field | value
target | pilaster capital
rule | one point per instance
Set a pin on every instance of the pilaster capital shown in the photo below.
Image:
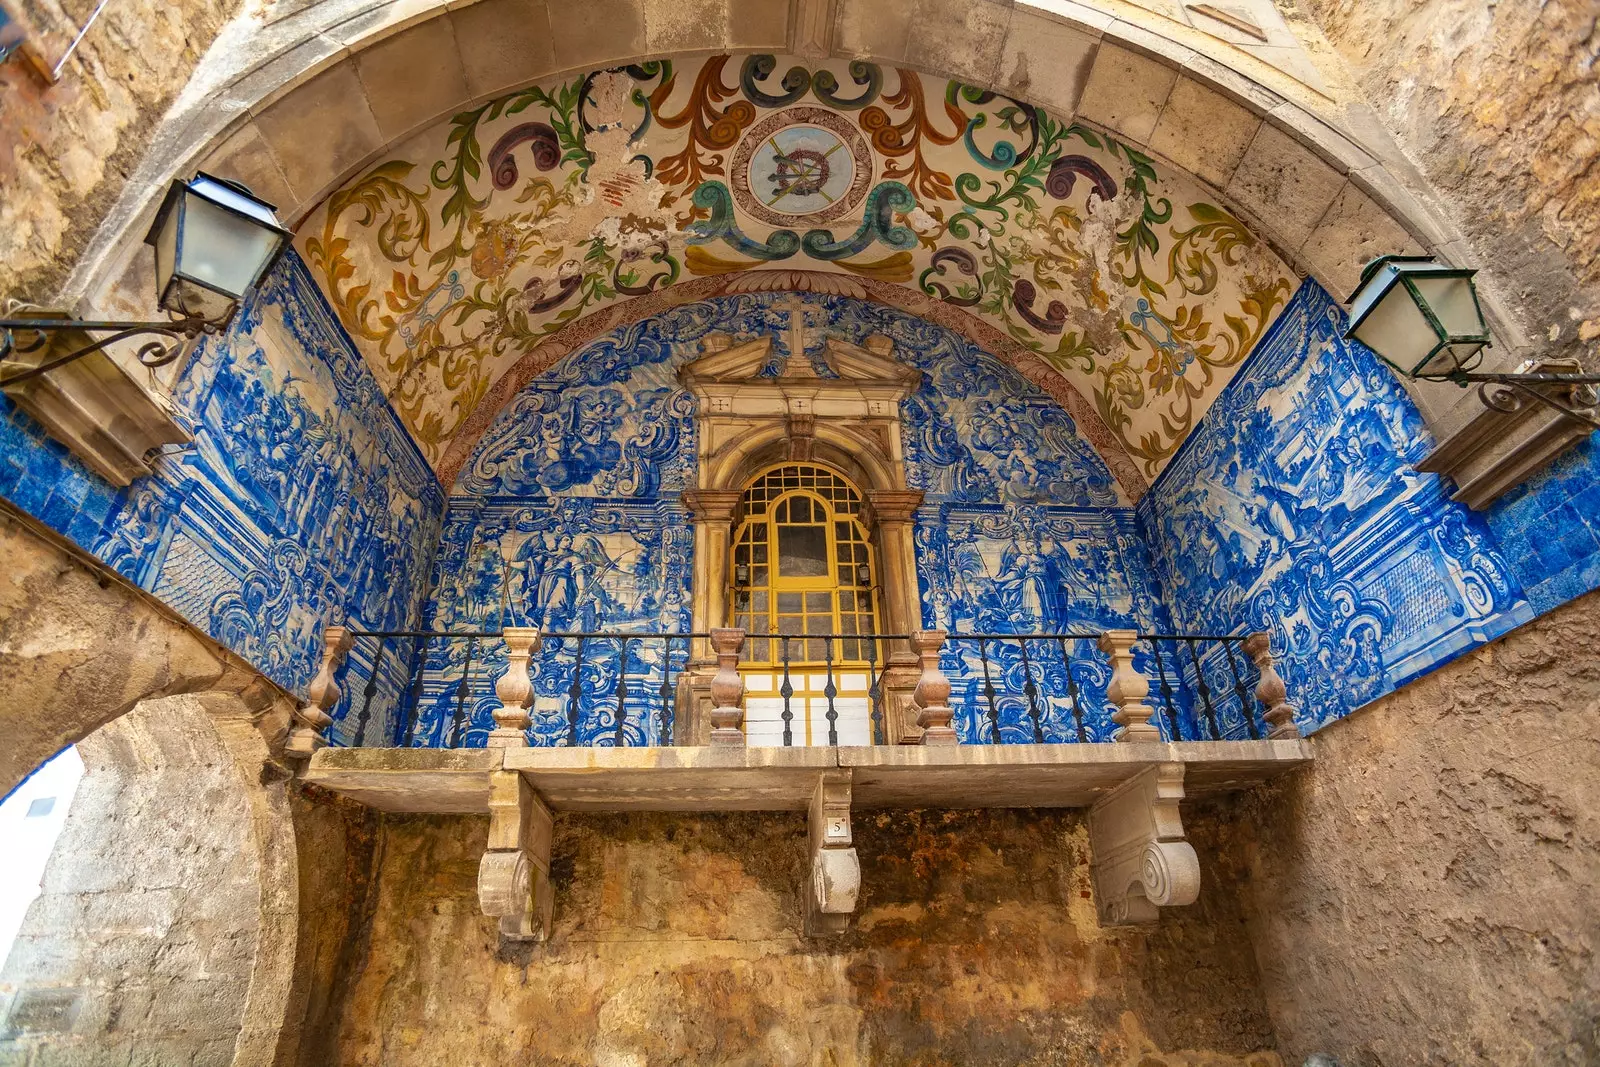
(893, 505)
(712, 505)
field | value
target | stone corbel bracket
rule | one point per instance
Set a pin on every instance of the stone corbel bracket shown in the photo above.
(514, 874)
(1141, 862)
(834, 882)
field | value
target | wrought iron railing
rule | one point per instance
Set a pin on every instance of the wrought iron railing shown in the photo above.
(439, 689)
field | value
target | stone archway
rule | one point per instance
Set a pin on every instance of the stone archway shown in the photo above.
(167, 925)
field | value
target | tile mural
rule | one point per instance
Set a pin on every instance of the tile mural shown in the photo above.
(568, 515)
(301, 499)
(1295, 507)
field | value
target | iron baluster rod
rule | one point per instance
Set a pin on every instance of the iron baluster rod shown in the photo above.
(622, 691)
(988, 692)
(367, 694)
(666, 691)
(1205, 690)
(1072, 690)
(830, 691)
(461, 695)
(1239, 689)
(1032, 693)
(875, 692)
(575, 694)
(421, 659)
(786, 691)
(1166, 691)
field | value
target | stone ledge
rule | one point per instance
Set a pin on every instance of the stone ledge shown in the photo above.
(445, 781)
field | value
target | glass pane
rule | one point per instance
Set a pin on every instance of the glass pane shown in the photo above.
(819, 624)
(760, 555)
(758, 602)
(758, 576)
(847, 601)
(789, 603)
(842, 531)
(847, 624)
(800, 509)
(820, 603)
(789, 624)
(802, 551)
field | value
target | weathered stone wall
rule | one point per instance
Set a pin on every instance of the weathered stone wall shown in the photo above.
(1499, 105)
(142, 945)
(65, 149)
(677, 942)
(1426, 893)
(79, 646)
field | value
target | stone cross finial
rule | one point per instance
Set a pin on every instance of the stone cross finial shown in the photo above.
(312, 718)
(932, 695)
(1128, 688)
(727, 687)
(1270, 690)
(511, 718)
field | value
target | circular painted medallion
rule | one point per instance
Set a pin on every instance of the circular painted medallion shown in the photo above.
(803, 164)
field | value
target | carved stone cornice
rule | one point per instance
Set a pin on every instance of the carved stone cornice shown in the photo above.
(712, 505)
(892, 505)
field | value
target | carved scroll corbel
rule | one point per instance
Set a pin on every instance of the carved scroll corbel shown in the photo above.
(312, 718)
(834, 883)
(514, 875)
(1141, 862)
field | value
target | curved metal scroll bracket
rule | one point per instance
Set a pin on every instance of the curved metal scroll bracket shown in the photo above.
(36, 333)
(1141, 862)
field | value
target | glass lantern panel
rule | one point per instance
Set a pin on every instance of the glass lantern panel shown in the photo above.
(221, 249)
(1397, 330)
(1453, 304)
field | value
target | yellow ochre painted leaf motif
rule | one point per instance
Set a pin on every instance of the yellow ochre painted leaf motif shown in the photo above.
(499, 228)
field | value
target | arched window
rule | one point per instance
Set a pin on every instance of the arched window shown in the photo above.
(803, 565)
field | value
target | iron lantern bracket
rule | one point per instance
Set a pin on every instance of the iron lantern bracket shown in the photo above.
(178, 334)
(1576, 396)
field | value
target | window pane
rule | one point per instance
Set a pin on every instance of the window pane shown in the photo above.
(820, 603)
(802, 551)
(789, 603)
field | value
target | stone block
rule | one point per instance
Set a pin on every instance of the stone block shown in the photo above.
(597, 32)
(504, 44)
(685, 25)
(1126, 92)
(1285, 185)
(376, 23)
(1354, 230)
(1070, 13)
(413, 76)
(1203, 131)
(872, 28)
(761, 24)
(962, 38)
(1047, 61)
(321, 130)
(246, 157)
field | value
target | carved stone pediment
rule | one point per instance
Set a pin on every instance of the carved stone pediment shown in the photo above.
(853, 381)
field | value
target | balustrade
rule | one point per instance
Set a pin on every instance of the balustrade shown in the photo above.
(513, 687)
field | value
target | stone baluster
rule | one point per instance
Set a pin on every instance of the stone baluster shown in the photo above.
(932, 695)
(727, 687)
(1271, 691)
(312, 718)
(1128, 688)
(511, 718)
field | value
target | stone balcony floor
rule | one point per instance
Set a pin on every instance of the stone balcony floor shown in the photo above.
(444, 781)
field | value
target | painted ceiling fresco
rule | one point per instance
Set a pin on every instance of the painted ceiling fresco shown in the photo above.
(486, 248)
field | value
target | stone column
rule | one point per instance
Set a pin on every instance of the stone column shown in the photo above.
(1271, 691)
(727, 688)
(312, 718)
(1128, 688)
(932, 696)
(712, 511)
(511, 718)
(891, 512)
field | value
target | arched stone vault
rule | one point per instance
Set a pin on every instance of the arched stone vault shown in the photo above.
(354, 81)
